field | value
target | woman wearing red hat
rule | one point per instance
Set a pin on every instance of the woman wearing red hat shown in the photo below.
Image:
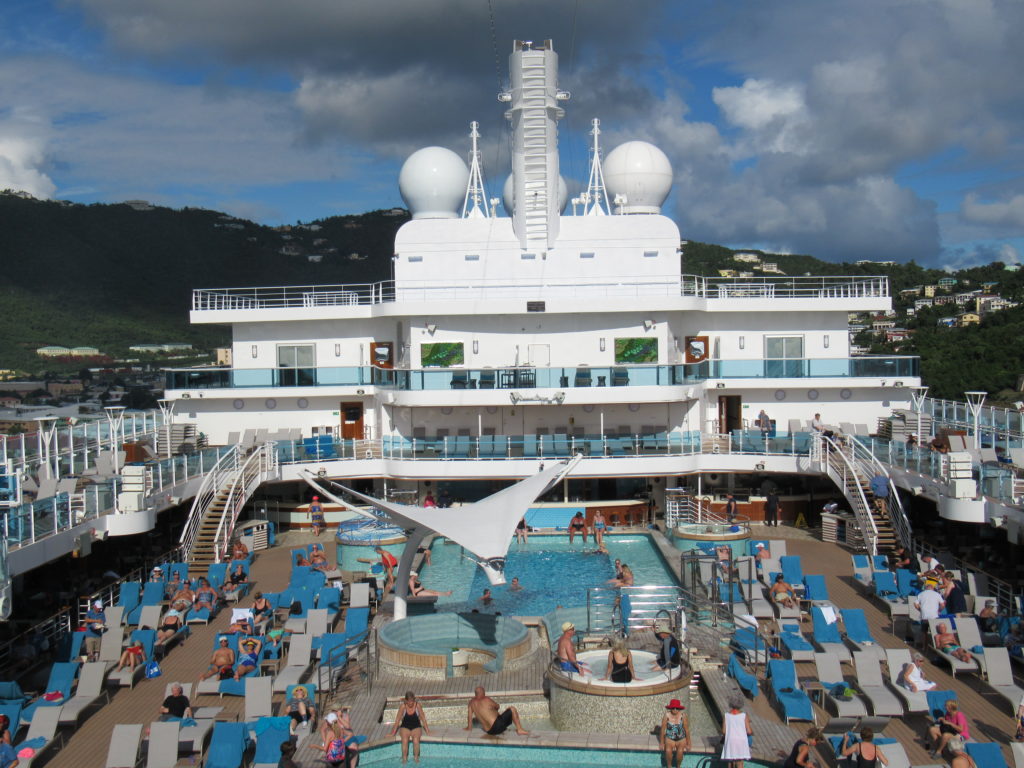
(674, 734)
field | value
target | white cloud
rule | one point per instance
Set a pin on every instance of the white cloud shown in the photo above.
(1008, 213)
(22, 155)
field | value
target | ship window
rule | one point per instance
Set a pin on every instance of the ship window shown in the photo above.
(528, 256)
(296, 365)
(783, 356)
(472, 257)
(650, 254)
(415, 258)
(587, 255)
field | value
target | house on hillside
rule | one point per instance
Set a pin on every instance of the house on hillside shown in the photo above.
(84, 352)
(965, 319)
(53, 350)
(947, 322)
(947, 283)
(922, 303)
(746, 258)
(929, 290)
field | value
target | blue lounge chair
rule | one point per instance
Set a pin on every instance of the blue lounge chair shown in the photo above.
(62, 678)
(750, 645)
(228, 746)
(937, 702)
(986, 754)
(907, 583)
(129, 676)
(271, 733)
(816, 590)
(859, 635)
(74, 647)
(13, 711)
(356, 622)
(216, 574)
(744, 679)
(792, 570)
(797, 646)
(129, 595)
(325, 447)
(179, 569)
(827, 637)
(885, 585)
(152, 594)
(786, 690)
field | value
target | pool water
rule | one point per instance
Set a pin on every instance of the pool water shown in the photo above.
(552, 573)
(473, 756)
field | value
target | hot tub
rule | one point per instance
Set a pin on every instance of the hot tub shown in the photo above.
(442, 645)
(357, 538)
(707, 536)
(586, 703)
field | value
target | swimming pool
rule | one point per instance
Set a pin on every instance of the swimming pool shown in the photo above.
(485, 756)
(552, 573)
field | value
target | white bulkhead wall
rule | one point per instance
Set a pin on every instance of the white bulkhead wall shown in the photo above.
(824, 334)
(337, 342)
(444, 252)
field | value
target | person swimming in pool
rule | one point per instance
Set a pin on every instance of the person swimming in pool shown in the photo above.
(515, 586)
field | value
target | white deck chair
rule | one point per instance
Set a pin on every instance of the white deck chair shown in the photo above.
(359, 595)
(44, 725)
(1017, 747)
(232, 438)
(258, 694)
(869, 682)
(112, 641)
(162, 751)
(759, 606)
(124, 746)
(150, 616)
(300, 649)
(914, 701)
(192, 737)
(955, 664)
(1000, 676)
(87, 693)
(969, 635)
(829, 671)
(316, 622)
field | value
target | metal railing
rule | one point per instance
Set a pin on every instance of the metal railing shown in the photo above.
(842, 470)
(257, 467)
(110, 594)
(823, 287)
(869, 463)
(40, 643)
(998, 589)
(218, 475)
(604, 607)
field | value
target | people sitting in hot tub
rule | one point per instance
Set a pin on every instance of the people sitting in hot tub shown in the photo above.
(578, 524)
(624, 578)
(669, 656)
(620, 663)
(567, 660)
(418, 590)
(782, 593)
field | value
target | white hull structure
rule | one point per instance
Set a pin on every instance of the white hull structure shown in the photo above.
(503, 340)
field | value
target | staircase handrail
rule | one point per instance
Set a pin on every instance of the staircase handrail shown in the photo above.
(863, 515)
(897, 515)
(253, 472)
(212, 481)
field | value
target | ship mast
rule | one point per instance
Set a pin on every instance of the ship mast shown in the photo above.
(595, 199)
(476, 195)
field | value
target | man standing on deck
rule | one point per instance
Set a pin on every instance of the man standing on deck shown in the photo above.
(388, 562)
(485, 709)
(730, 507)
(771, 509)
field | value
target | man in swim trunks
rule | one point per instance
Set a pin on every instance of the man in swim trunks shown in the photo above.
(222, 657)
(567, 650)
(485, 709)
(946, 642)
(578, 524)
(250, 658)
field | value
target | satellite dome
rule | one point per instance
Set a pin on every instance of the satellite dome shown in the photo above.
(642, 173)
(433, 183)
(506, 194)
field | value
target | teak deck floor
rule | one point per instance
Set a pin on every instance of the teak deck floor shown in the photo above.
(990, 718)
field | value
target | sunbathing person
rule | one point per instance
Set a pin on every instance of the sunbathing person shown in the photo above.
(485, 710)
(912, 678)
(418, 590)
(184, 595)
(223, 658)
(171, 623)
(133, 655)
(782, 593)
(249, 660)
(318, 561)
(206, 596)
(239, 551)
(946, 642)
(236, 582)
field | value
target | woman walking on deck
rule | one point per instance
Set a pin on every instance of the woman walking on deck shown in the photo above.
(736, 732)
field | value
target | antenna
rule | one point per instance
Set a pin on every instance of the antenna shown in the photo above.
(476, 195)
(595, 200)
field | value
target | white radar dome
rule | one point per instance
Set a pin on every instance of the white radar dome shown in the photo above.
(507, 192)
(641, 173)
(433, 183)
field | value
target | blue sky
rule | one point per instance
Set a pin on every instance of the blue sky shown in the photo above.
(877, 129)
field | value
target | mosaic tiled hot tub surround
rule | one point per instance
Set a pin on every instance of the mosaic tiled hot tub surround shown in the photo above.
(587, 704)
(442, 645)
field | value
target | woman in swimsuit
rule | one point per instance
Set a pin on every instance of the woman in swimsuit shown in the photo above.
(418, 590)
(620, 663)
(410, 724)
(521, 533)
(868, 755)
(578, 525)
(599, 526)
(133, 655)
(171, 624)
(801, 755)
(674, 734)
